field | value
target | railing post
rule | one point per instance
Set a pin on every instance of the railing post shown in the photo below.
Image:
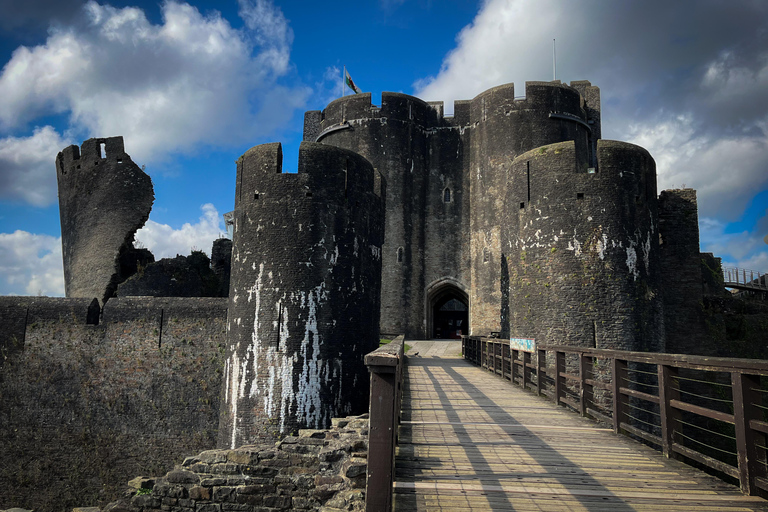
(586, 391)
(503, 359)
(618, 375)
(744, 410)
(669, 415)
(513, 358)
(559, 379)
(526, 369)
(384, 366)
(541, 370)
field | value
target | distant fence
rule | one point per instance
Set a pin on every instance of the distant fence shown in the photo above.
(386, 368)
(708, 410)
(744, 279)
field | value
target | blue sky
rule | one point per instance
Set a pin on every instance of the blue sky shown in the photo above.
(191, 86)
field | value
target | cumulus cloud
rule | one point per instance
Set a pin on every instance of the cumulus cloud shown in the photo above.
(743, 249)
(688, 80)
(30, 264)
(166, 242)
(662, 72)
(27, 169)
(168, 87)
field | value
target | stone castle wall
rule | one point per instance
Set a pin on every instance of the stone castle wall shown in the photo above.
(84, 405)
(422, 156)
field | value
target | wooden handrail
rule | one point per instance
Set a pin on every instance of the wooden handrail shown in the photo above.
(385, 365)
(573, 375)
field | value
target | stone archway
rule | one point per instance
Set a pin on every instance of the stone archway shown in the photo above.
(447, 309)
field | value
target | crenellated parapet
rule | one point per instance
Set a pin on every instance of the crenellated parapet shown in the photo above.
(104, 198)
(305, 291)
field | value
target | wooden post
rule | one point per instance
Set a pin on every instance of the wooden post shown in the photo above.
(384, 368)
(618, 376)
(559, 379)
(586, 392)
(744, 410)
(526, 369)
(503, 359)
(514, 358)
(541, 370)
(668, 391)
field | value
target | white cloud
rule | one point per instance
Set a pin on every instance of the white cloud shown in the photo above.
(30, 264)
(726, 171)
(27, 166)
(688, 80)
(166, 242)
(166, 87)
(743, 249)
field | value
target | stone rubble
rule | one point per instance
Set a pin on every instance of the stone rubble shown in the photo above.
(317, 470)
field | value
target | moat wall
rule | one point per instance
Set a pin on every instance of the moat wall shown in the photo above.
(84, 406)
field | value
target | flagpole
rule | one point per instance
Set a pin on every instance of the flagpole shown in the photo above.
(343, 76)
(554, 61)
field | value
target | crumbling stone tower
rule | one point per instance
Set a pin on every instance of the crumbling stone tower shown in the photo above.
(104, 198)
(305, 291)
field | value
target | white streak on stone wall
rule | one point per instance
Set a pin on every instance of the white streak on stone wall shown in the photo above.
(632, 260)
(308, 402)
(647, 253)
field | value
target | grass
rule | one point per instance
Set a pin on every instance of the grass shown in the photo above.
(384, 341)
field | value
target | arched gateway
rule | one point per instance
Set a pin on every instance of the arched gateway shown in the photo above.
(447, 309)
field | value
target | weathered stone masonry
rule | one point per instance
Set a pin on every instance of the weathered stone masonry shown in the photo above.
(304, 296)
(84, 405)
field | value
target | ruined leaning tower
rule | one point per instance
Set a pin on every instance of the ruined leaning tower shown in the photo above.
(305, 292)
(104, 198)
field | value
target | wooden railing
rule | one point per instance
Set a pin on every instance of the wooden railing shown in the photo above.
(744, 279)
(706, 411)
(386, 368)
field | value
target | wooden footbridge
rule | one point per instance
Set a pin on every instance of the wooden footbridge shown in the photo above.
(469, 438)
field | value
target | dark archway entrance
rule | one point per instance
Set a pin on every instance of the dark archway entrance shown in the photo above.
(447, 310)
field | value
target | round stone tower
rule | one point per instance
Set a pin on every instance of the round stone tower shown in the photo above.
(580, 248)
(504, 127)
(305, 292)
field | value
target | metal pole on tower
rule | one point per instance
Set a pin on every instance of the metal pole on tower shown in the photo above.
(343, 76)
(554, 60)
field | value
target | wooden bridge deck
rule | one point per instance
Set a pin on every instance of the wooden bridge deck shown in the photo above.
(472, 441)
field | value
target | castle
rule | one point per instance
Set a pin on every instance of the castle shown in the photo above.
(514, 218)
(511, 218)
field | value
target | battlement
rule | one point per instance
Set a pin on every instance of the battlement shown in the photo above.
(394, 106)
(90, 153)
(546, 97)
(325, 174)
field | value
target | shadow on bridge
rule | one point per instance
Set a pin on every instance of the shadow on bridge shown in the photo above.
(463, 411)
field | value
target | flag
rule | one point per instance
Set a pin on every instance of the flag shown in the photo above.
(350, 83)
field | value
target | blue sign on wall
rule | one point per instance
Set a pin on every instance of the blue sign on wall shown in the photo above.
(523, 344)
